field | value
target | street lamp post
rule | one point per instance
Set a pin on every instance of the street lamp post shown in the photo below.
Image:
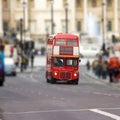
(52, 19)
(103, 27)
(21, 33)
(24, 16)
(47, 32)
(66, 17)
(21, 40)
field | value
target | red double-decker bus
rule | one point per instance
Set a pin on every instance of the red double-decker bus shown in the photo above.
(62, 58)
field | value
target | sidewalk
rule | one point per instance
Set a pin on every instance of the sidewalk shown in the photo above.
(38, 61)
(105, 81)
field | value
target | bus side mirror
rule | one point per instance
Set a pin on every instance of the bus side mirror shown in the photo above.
(80, 60)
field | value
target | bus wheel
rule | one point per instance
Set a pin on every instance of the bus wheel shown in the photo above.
(53, 80)
(47, 80)
(76, 82)
(1, 83)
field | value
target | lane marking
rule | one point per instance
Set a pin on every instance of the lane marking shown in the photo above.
(30, 78)
(63, 110)
(106, 94)
(45, 111)
(116, 117)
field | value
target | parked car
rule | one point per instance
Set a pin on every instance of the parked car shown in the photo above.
(10, 68)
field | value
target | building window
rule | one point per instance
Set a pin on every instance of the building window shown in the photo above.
(78, 3)
(18, 3)
(64, 2)
(118, 4)
(109, 26)
(79, 26)
(5, 3)
(18, 26)
(33, 26)
(5, 26)
(31, 3)
(48, 3)
(109, 3)
(94, 3)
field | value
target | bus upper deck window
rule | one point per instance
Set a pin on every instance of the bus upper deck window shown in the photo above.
(72, 42)
(60, 42)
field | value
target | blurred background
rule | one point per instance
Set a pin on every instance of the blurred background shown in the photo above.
(27, 23)
(24, 28)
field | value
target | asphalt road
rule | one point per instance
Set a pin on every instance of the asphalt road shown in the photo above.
(28, 97)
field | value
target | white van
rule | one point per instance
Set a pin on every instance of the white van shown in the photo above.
(10, 68)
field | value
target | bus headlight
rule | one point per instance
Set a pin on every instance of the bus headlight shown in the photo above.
(55, 73)
(75, 74)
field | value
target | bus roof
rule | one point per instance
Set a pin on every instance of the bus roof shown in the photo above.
(64, 35)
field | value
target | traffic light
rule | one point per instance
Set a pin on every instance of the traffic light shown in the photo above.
(31, 44)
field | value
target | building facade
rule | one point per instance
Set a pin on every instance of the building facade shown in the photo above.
(92, 17)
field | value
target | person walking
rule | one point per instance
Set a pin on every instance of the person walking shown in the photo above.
(99, 69)
(104, 69)
(11, 51)
(32, 60)
(88, 65)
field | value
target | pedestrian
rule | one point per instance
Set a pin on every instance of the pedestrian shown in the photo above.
(99, 69)
(113, 69)
(25, 61)
(88, 65)
(94, 65)
(11, 51)
(32, 60)
(17, 62)
(110, 73)
(22, 63)
(116, 73)
(104, 69)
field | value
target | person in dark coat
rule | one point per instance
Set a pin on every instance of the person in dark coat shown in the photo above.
(32, 60)
(88, 65)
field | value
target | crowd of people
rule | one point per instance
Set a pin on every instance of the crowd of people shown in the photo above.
(106, 68)
(102, 69)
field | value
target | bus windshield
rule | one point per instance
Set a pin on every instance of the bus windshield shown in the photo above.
(71, 62)
(60, 62)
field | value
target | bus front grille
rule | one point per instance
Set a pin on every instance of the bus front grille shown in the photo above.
(65, 75)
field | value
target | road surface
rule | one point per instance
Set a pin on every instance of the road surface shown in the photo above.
(29, 97)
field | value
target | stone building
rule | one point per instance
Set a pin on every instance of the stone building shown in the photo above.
(92, 17)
